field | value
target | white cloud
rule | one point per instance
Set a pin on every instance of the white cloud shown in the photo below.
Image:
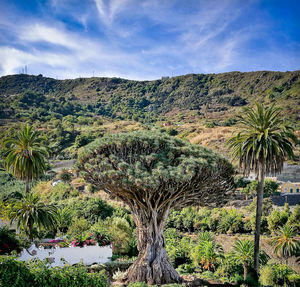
(12, 59)
(81, 55)
(42, 33)
(108, 9)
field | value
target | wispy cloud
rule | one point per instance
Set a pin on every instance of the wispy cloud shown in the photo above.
(109, 9)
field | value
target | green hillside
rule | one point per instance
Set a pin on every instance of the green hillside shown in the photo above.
(209, 95)
(200, 108)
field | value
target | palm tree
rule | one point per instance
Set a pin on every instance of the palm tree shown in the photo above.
(242, 252)
(29, 212)
(261, 145)
(285, 244)
(207, 253)
(26, 155)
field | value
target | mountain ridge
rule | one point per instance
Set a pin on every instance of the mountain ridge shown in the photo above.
(130, 99)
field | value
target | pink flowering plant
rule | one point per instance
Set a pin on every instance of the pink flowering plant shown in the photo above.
(90, 238)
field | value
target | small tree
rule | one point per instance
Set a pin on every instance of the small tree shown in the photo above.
(207, 252)
(270, 187)
(247, 191)
(26, 156)
(153, 173)
(286, 244)
(30, 212)
(243, 251)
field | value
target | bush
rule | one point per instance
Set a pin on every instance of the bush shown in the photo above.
(177, 247)
(278, 275)
(267, 276)
(240, 181)
(230, 222)
(10, 187)
(186, 268)
(294, 219)
(266, 207)
(183, 220)
(60, 191)
(172, 132)
(93, 209)
(270, 187)
(121, 234)
(8, 241)
(277, 219)
(78, 229)
(14, 273)
(82, 140)
(65, 175)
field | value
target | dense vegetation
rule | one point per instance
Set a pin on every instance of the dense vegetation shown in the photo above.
(42, 98)
(37, 274)
(200, 108)
(194, 236)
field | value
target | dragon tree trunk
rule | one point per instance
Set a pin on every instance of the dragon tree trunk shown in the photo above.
(152, 265)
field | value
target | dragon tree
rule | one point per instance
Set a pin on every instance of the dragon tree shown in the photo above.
(152, 173)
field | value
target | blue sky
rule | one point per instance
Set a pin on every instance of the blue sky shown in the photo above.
(145, 40)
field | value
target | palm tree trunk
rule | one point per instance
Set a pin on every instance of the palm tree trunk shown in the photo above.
(27, 185)
(245, 270)
(260, 193)
(30, 232)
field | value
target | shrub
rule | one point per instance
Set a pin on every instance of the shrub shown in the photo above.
(278, 275)
(122, 235)
(264, 223)
(186, 268)
(267, 276)
(120, 275)
(78, 229)
(60, 191)
(94, 209)
(65, 175)
(14, 273)
(240, 181)
(91, 188)
(177, 247)
(230, 222)
(270, 187)
(112, 266)
(277, 219)
(8, 241)
(119, 231)
(10, 187)
(294, 219)
(172, 132)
